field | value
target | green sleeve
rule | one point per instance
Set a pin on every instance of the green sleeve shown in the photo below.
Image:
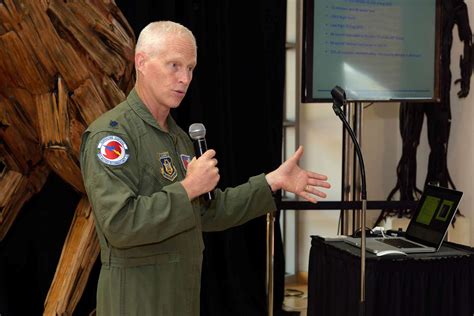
(125, 216)
(235, 206)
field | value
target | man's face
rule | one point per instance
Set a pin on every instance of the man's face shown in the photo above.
(165, 76)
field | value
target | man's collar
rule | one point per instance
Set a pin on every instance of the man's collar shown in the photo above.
(144, 113)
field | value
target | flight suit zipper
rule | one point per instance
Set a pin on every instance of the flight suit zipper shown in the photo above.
(195, 203)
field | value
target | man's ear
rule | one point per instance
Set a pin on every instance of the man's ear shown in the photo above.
(140, 59)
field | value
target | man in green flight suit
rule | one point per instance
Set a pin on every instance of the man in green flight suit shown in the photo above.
(145, 189)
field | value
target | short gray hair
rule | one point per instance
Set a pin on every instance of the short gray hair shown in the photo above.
(153, 34)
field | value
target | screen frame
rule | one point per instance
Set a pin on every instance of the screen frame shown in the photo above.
(437, 191)
(307, 60)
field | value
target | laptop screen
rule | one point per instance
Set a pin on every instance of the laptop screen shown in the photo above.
(433, 215)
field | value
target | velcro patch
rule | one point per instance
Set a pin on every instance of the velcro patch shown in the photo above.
(168, 170)
(185, 159)
(112, 150)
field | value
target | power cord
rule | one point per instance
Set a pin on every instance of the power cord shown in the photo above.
(379, 230)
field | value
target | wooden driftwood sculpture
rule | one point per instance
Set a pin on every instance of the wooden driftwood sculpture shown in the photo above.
(62, 64)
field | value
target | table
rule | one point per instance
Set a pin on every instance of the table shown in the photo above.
(441, 283)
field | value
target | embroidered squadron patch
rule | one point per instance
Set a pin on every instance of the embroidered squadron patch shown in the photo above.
(112, 150)
(168, 170)
(185, 159)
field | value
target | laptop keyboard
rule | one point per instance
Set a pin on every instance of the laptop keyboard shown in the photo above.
(399, 243)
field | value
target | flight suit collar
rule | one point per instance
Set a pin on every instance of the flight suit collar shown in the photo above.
(142, 111)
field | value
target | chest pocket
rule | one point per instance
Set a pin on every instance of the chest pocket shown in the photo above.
(162, 161)
(152, 180)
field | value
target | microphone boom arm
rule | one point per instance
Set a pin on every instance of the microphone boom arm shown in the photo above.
(340, 113)
(339, 97)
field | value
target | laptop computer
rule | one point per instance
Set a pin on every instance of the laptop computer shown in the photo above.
(427, 228)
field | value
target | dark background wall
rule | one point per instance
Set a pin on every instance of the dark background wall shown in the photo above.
(237, 93)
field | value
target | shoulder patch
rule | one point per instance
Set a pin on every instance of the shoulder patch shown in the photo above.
(112, 150)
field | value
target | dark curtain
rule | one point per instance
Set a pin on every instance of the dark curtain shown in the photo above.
(30, 251)
(237, 93)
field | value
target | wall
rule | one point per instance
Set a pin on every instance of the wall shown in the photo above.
(321, 134)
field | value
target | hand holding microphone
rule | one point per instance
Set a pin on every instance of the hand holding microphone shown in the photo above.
(202, 175)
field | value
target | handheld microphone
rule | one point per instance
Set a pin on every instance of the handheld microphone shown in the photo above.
(197, 132)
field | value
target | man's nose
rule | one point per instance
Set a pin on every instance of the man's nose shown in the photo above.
(185, 76)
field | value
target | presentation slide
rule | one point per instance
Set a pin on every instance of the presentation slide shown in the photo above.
(374, 49)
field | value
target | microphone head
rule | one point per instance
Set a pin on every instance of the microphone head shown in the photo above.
(338, 96)
(197, 131)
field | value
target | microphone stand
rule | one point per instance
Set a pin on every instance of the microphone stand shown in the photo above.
(270, 260)
(339, 97)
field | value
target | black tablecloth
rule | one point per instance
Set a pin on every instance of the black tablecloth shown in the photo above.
(441, 283)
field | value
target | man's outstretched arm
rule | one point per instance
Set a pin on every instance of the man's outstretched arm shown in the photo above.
(290, 177)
